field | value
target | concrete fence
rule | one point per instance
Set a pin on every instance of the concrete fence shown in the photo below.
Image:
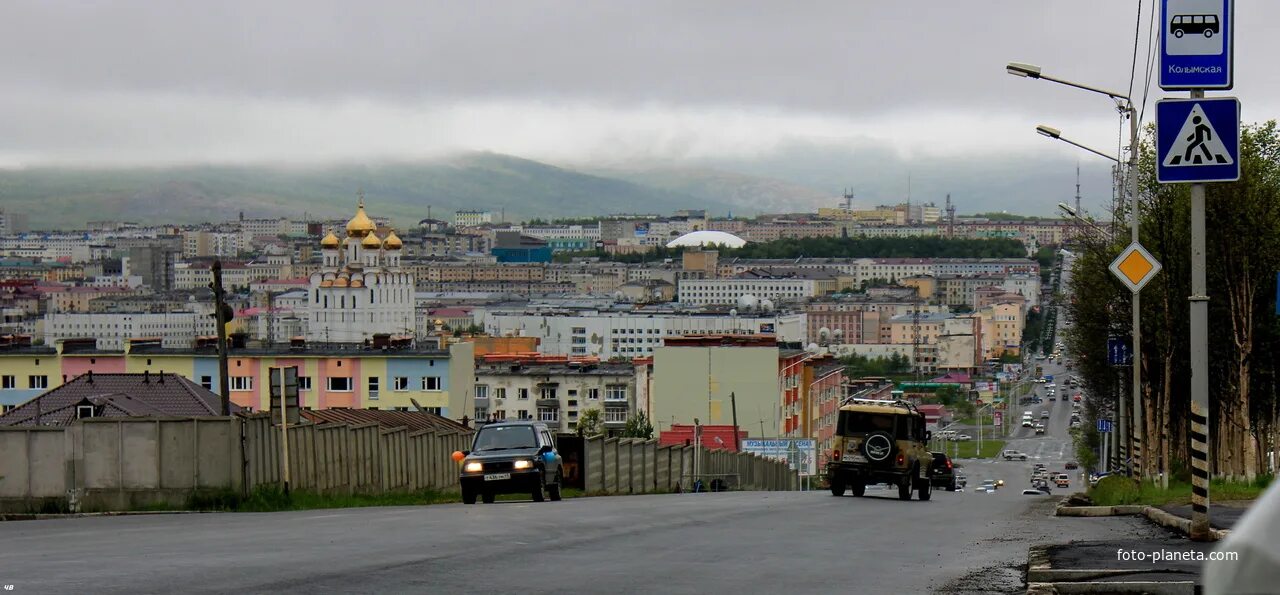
(129, 463)
(633, 466)
(350, 459)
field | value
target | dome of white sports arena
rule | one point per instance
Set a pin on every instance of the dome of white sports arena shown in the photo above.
(707, 238)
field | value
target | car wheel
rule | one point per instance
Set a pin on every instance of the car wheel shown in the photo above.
(554, 490)
(537, 491)
(487, 497)
(468, 496)
(904, 489)
(837, 487)
(926, 490)
(859, 488)
(952, 486)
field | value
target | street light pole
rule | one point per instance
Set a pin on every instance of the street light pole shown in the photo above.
(1131, 182)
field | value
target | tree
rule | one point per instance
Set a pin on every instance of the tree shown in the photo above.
(590, 423)
(638, 426)
(1244, 221)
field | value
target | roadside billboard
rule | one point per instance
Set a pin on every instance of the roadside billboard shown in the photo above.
(800, 453)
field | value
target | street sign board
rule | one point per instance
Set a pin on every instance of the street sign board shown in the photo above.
(1196, 44)
(997, 418)
(1119, 352)
(1104, 426)
(1198, 140)
(800, 453)
(1135, 266)
(290, 394)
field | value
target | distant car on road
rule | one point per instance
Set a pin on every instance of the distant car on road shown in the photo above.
(963, 437)
(1031, 492)
(1072, 465)
(1039, 429)
(1062, 480)
(1010, 455)
(1044, 415)
(510, 457)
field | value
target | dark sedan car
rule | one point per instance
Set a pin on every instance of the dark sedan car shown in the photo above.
(511, 457)
(943, 474)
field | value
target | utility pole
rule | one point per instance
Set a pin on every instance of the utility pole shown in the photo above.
(737, 441)
(1134, 445)
(220, 321)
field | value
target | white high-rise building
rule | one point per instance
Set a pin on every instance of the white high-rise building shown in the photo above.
(360, 290)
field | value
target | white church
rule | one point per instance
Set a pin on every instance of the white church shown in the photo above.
(360, 290)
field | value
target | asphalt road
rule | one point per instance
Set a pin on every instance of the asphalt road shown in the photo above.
(742, 542)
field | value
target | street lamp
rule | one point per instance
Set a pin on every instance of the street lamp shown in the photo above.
(1106, 233)
(1125, 106)
(1056, 134)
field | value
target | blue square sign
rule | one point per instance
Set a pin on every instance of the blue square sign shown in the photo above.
(1198, 140)
(1196, 39)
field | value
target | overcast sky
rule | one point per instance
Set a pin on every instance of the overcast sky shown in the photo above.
(240, 81)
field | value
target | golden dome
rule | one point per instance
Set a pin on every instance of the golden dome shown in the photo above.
(361, 223)
(326, 283)
(329, 241)
(357, 283)
(342, 282)
(371, 241)
(392, 242)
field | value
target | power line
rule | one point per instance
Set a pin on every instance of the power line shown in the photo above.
(1133, 66)
(1152, 40)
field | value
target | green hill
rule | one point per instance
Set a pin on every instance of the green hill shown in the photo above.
(61, 197)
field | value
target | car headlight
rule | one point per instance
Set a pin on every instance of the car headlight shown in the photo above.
(523, 464)
(473, 467)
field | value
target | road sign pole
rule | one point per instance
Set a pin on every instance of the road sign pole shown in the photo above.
(1137, 434)
(1199, 367)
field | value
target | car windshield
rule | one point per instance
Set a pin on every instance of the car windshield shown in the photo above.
(505, 438)
(858, 422)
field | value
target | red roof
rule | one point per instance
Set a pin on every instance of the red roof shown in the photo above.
(713, 437)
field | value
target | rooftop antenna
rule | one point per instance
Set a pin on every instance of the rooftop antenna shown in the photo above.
(951, 217)
(848, 199)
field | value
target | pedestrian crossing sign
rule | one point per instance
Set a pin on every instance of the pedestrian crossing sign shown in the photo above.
(1198, 140)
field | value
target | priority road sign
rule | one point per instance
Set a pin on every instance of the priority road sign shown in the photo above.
(1135, 266)
(1196, 44)
(1198, 140)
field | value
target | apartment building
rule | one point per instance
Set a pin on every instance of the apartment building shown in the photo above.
(555, 392)
(632, 334)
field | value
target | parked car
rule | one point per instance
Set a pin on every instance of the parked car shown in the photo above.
(963, 437)
(510, 457)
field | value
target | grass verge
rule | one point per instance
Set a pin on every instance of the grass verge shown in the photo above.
(1115, 490)
(969, 449)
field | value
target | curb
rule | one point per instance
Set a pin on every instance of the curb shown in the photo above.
(79, 515)
(1043, 579)
(1154, 514)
